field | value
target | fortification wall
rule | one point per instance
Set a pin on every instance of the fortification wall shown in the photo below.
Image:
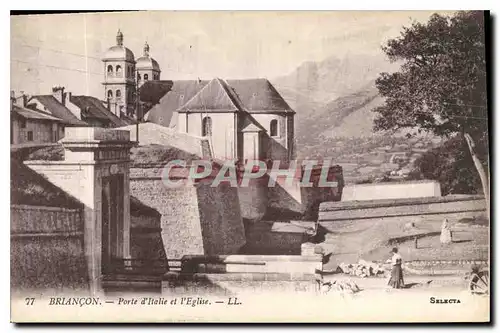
(195, 219)
(47, 249)
(428, 213)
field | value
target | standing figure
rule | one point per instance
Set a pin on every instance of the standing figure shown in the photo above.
(396, 280)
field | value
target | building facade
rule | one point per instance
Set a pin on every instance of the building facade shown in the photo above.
(29, 125)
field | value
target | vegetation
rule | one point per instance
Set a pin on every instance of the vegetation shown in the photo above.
(441, 88)
(451, 165)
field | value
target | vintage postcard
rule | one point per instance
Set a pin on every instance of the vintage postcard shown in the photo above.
(252, 167)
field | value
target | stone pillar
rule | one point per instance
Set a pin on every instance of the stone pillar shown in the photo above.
(92, 155)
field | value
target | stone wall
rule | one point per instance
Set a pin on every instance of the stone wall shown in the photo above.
(236, 274)
(47, 249)
(195, 219)
(427, 212)
(299, 201)
(145, 237)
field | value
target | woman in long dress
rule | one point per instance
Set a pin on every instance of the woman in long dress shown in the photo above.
(396, 280)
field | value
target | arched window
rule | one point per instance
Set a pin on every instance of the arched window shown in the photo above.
(145, 77)
(128, 71)
(118, 70)
(118, 94)
(110, 93)
(206, 126)
(273, 128)
(110, 69)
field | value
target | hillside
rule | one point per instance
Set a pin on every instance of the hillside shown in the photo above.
(334, 100)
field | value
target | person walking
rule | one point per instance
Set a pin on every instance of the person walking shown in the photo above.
(396, 280)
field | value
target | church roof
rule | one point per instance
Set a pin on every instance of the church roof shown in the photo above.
(119, 52)
(59, 110)
(251, 95)
(146, 62)
(259, 95)
(214, 97)
(168, 96)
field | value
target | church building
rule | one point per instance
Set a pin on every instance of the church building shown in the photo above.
(242, 119)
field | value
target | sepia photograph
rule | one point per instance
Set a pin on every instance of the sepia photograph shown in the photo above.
(250, 167)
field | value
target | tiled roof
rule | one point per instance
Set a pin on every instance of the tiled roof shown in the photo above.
(170, 95)
(59, 110)
(32, 114)
(92, 107)
(214, 97)
(252, 95)
(259, 95)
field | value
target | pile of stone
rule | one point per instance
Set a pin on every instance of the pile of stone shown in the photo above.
(349, 287)
(363, 269)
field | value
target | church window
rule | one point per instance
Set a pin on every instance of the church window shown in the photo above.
(146, 77)
(110, 69)
(119, 70)
(273, 128)
(118, 94)
(206, 129)
(110, 93)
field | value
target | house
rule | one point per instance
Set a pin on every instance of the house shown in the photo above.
(30, 126)
(55, 104)
(94, 113)
(78, 110)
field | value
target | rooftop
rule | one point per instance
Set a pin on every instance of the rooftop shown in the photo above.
(58, 110)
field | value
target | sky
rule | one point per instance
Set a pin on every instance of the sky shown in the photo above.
(66, 49)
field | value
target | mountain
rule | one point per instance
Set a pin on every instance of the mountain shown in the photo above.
(314, 84)
(334, 99)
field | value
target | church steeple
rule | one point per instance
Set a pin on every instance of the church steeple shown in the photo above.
(119, 38)
(119, 77)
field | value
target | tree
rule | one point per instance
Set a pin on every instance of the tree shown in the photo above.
(441, 85)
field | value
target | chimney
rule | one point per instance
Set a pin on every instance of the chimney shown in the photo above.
(58, 93)
(12, 98)
(24, 99)
(67, 97)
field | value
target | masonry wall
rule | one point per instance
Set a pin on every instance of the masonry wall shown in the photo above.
(145, 238)
(47, 249)
(194, 219)
(220, 217)
(428, 213)
(254, 200)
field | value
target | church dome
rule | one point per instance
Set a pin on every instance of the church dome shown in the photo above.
(119, 52)
(146, 62)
